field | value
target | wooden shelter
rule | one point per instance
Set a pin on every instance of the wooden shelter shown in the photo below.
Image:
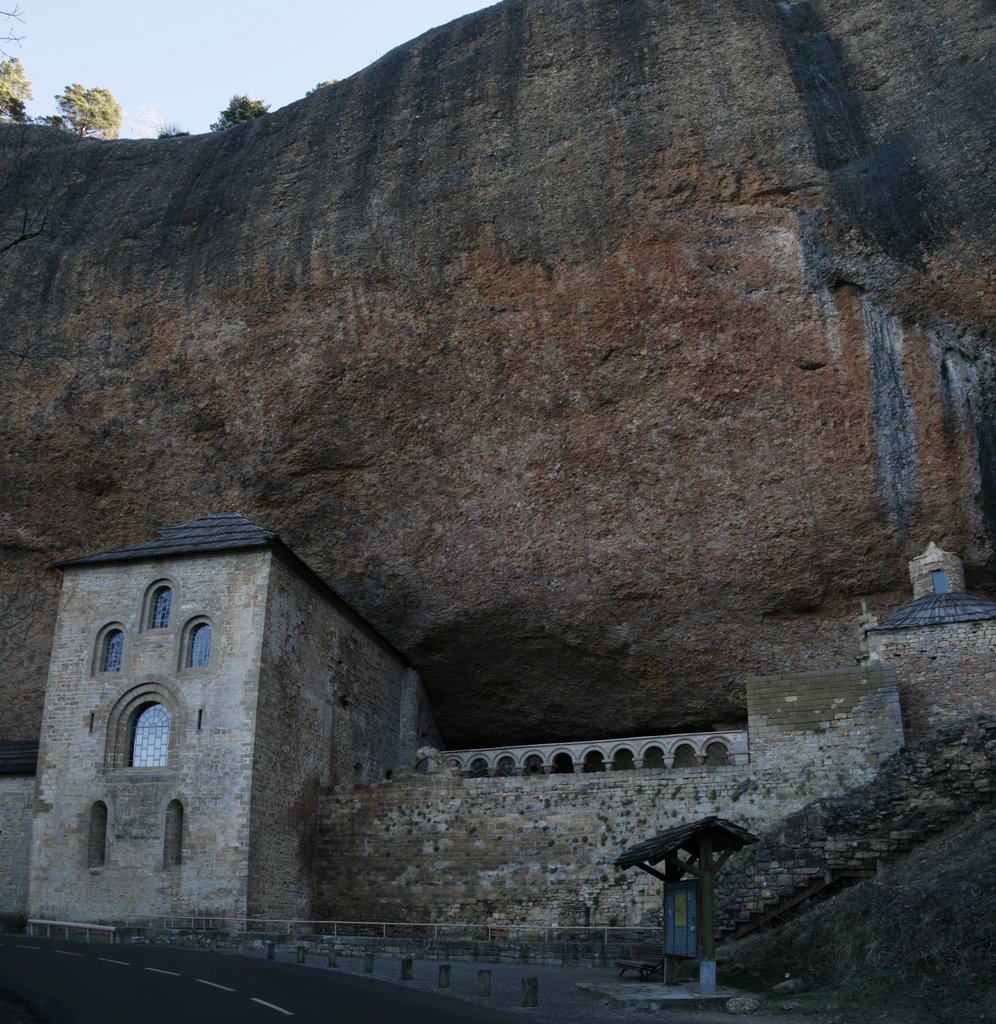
(698, 849)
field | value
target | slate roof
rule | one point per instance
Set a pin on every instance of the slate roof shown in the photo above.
(938, 609)
(18, 757)
(652, 851)
(224, 531)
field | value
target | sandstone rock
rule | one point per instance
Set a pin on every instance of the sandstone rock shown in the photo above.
(600, 354)
(789, 986)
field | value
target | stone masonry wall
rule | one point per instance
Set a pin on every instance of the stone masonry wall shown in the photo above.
(332, 708)
(16, 798)
(83, 752)
(947, 672)
(539, 848)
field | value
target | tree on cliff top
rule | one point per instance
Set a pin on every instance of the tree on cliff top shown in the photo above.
(88, 113)
(15, 89)
(239, 110)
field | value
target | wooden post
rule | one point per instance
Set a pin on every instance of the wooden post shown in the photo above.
(406, 969)
(707, 965)
(484, 983)
(444, 975)
(368, 963)
(530, 993)
(271, 951)
(302, 951)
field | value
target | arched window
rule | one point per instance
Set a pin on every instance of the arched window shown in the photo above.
(199, 647)
(160, 607)
(150, 737)
(594, 762)
(112, 651)
(563, 764)
(684, 756)
(96, 843)
(717, 754)
(653, 757)
(173, 835)
(622, 760)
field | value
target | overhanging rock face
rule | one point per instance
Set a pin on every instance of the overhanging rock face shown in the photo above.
(599, 354)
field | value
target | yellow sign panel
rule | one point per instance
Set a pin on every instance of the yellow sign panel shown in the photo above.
(680, 909)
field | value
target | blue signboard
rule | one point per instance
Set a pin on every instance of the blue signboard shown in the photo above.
(681, 937)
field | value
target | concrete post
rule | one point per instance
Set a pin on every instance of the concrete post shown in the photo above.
(302, 951)
(707, 977)
(406, 969)
(368, 963)
(271, 950)
(484, 983)
(444, 976)
(332, 957)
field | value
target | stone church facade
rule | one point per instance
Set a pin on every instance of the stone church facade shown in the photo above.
(223, 736)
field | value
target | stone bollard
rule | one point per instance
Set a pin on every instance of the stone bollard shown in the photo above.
(444, 975)
(332, 959)
(530, 991)
(406, 969)
(271, 950)
(484, 983)
(302, 952)
(368, 963)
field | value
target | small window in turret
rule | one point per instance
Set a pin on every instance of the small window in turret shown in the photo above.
(941, 585)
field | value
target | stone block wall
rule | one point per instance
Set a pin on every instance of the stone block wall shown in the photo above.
(539, 848)
(83, 752)
(336, 704)
(16, 799)
(947, 672)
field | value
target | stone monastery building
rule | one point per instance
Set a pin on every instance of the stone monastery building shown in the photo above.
(224, 736)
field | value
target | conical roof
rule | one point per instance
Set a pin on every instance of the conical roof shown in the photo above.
(938, 609)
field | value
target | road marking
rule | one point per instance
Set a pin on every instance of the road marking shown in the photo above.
(124, 963)
(65, 952)
(279, 1009)
(29, 947)
(155, 970)
(215, 984)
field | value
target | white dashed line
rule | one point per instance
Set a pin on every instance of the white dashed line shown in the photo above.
(279, 1009)
(155, 970)
(65, 952)
(215, 984)
(124, 963)
(29, 947)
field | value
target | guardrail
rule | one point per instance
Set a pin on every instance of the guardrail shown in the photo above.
(397, 929)
(71, 926)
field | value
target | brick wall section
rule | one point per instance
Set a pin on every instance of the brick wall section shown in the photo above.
(333, 708)
(539, 849)
(209, 770)
(946, 672)
(16, 798)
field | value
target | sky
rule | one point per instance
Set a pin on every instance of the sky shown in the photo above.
(180, 63)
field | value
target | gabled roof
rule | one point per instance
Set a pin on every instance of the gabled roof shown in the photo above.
(938, 609)
(19, 757)
(224, 531)
(724, 834)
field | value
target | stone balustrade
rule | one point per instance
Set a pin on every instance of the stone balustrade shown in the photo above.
(680, 750)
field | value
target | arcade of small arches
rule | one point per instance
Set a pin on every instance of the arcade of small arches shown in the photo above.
(683, 750)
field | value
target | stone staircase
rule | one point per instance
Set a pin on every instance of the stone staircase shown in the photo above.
(839, 840)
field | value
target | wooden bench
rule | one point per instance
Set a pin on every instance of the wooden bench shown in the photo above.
(648, 959)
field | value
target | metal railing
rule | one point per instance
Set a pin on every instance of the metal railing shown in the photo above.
(434, 930)
(71, 926)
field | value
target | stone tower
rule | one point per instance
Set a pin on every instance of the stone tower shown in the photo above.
(204, 687)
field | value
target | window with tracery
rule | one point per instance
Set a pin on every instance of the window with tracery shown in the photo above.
(160, 608)
(149, 746)
(112, 651)
(200, 646)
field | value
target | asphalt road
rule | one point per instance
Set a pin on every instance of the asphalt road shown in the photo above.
(76, 983)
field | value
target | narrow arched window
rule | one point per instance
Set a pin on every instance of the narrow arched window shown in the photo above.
(96, 843)
(160, 607)
(150, 737)
(200, 646)
(112, 651)
(173, 835)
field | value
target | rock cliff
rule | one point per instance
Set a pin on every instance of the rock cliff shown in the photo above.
(599, 352)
